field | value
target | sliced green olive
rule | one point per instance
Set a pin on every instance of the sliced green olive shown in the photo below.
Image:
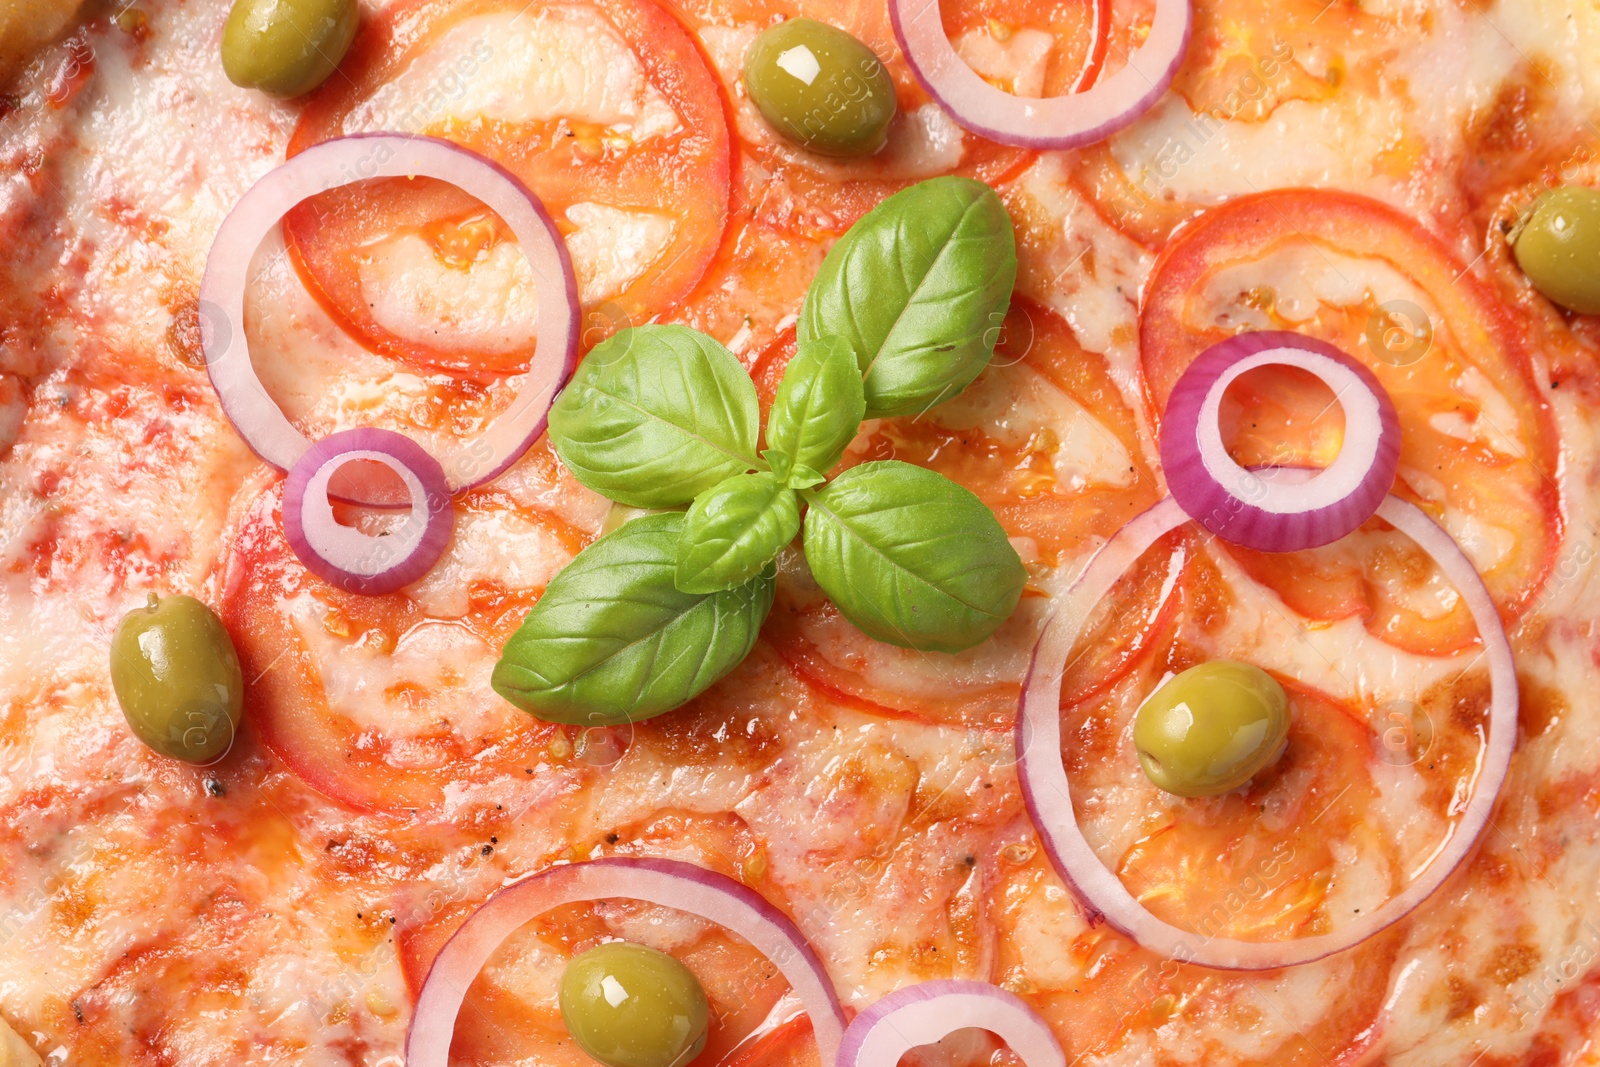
(1212, 728)
(1557, 245)
(176, 675)
(820, 87)
(286, 47)
(631, 1006)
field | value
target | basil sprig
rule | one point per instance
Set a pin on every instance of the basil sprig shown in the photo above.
(903, 315)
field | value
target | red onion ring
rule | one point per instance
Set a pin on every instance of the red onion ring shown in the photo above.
(670, 883)
(930, 1011)
(346, 557)
(1047, 793)
(1049, 122)
(359, 157)
(1261, 511)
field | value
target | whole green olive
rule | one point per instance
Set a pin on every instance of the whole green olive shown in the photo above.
(177, 677)
(631, 1006)
(1557, 245)
(1212, 728)
(286, 47)
(820, 87)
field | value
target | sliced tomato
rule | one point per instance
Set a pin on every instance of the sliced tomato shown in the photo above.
(1123, 995)
(1016, 439)
(1139, 608)
(1322, 792)
(788, 1044)
(677, 174)
(767, 370)
(1212, 868)
(1243, 63)
(272, 606)
(1043, 437)
(1261, 865)
(1478, 449)
(845, 667)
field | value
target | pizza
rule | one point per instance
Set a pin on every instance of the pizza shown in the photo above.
(639, 515)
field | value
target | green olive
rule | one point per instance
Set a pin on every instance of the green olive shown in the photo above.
(1557, 245)
(820, 87)
(177, 678)
(1212, 728)
(286, 47)
(631, 1006)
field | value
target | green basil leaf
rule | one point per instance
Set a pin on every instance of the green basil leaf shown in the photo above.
(655, 416)
(919, 287)
(911, 558)
(779, 462)
(819, 406)
(803, 477)
(614, 640)
(733, 530)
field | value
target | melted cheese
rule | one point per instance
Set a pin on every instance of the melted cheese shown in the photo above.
(490, 305)
(15, 1052)
(1014, 404)
(899, 844)
(559, 62)
(1017, 63)
(1448, 71)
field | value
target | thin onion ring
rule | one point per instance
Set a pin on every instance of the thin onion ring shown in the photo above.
(1047, 792)
(921, 1014)
(1072, 121)
(359, 157)
(346, 557)
(671, 883)
(1254, 508)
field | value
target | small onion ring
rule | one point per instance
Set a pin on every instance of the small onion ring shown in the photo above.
(1267, 513)
(930, 1011)
(1047, 122)
(1047, 793)
(346, 557)
(359, 157)
(671, 883)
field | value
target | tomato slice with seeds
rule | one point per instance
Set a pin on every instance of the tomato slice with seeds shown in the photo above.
(633, 166)
(372, 701)
(1479, 451)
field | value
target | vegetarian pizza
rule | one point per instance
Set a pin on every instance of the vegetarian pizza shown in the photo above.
(816, 534)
